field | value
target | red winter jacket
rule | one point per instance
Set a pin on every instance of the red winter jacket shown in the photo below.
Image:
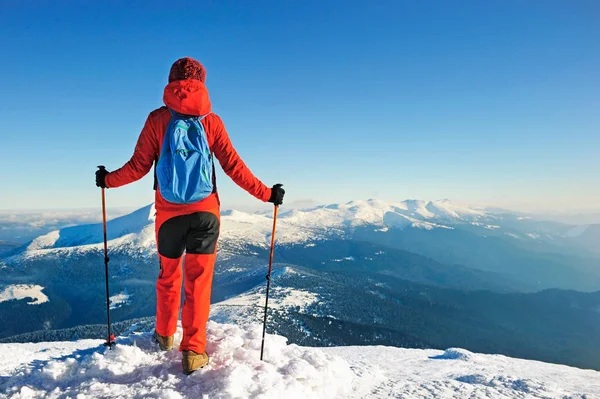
(188, 97)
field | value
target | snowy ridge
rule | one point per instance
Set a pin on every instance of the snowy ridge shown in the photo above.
(241, 228)
(128, 225)
(425, 213)
(136, 368)
(304, 226)
(132, 243)
(134, 233)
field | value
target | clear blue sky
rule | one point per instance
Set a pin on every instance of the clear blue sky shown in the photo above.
(495, 101)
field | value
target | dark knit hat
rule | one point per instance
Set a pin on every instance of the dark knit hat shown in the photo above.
(187, 68)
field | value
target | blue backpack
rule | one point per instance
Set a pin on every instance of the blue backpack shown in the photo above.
(184, 171)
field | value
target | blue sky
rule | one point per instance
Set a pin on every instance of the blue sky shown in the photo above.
(494, 102)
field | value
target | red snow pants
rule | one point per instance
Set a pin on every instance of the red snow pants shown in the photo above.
(190, 241)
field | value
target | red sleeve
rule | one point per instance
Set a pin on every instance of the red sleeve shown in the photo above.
(140, 163)
(233, 165)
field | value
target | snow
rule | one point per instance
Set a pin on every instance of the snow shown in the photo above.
(137, 242)
(457, 373)
(235, 270)
(122, 227)
(400, 221)
(447, 210)
(134, 233)
(24, 291)
(305, 226)
(347, 258)
(118, 300)
(44, 241)
(485, 226)
(282, 297)
(248, 307)
(136, 368)
(243, 232)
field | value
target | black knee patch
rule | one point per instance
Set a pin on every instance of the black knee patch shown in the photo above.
(172, 236)
(203, 234)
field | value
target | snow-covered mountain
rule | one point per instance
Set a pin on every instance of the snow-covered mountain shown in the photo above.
(134, 233)
(299, 226)
(418, 268)
(532, 254)
(134, 230)
(431, 242)
(135, 368)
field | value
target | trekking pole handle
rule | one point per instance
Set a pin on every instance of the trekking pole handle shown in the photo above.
(102, 167)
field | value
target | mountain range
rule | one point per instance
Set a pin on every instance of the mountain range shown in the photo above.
(416, 274)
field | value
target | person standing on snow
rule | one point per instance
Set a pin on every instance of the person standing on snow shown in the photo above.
(192, 227)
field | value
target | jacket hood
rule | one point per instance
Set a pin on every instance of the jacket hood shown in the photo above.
(188, 97)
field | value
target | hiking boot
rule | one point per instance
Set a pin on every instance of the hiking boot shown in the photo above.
(193, 361)
(165, 343)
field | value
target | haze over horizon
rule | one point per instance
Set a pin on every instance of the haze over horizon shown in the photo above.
(573, 215)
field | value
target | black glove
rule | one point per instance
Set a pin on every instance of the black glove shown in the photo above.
(100, 175)
(277, 194)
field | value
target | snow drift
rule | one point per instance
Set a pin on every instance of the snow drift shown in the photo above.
(136, 368)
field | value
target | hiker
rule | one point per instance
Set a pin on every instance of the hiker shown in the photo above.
(190, 221)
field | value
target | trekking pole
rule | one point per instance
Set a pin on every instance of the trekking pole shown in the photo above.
(110, 340)
(269, 279)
